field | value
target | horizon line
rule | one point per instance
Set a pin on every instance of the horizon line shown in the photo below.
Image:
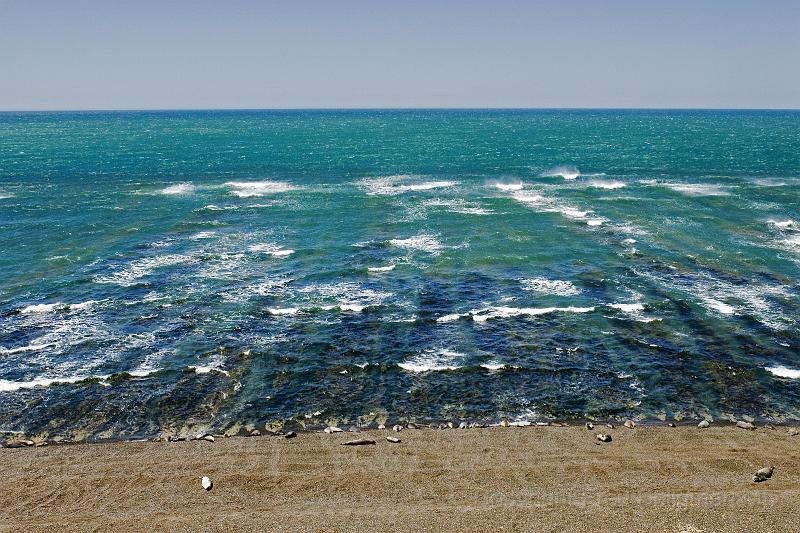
(488, 108)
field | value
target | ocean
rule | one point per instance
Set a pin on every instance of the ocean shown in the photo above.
(167, 271)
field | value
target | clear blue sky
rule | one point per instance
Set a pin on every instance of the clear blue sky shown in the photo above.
(93, 54)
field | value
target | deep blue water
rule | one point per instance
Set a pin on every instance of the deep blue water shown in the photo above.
(168, 271)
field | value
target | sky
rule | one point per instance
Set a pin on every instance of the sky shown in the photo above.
(144, 54)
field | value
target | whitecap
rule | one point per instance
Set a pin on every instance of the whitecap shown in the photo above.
(509, 186)
(628, 308)
(42, 308)
(247, 189)
(604, 184)
(21, 349)
(423, 242)
(207, 370)
(271, 249)
(398, 184)
(283, 310)
(784, 372)
(10, 386)
(782, 223)
(203, 235)
(568, 172)
(493, 366)
(697, 189)
(722, 307)
(550, 286)
(180, 188)
(381, 269)
(5, 196)
(434, 361)
(491, 313)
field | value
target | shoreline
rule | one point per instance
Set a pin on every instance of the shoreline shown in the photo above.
(279, 428)
(536, 478)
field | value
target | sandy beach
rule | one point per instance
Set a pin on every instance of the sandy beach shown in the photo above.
(648, 478)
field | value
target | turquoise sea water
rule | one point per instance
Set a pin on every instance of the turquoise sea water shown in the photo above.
(170, 270)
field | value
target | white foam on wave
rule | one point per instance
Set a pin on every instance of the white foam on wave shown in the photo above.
(5, 195)
(458, 206)
(606, 184)
(272, 249)
(381, 269)
(568, 172)
(283, 310)
(10, 386)
(207, 370)
(248, 189)
(399, 184)
(434, 361)
(784, 372)
(628, 308)
(697, 189)
(783, 224)
(58, 306)
(509, 187)
(423, 242)
(545, 204)
(550, 286)
(493, 366)
(131, 273)
(723, 297)
(492, 313)
(180, 188)
(21, 349)
(203, 235)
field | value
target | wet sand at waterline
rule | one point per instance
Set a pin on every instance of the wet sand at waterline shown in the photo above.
(495, 479)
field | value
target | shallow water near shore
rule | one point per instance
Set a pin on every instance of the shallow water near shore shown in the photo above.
(214, 269)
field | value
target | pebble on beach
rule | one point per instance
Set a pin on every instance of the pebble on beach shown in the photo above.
(793, 432)
(609, 425)
(333, 429)
(602, 437)
(381, 426)
(358, 442)
(763, 474)
(589, 426)
(505, 423)
(462, 425)
(745, 425)
(393, 439)
(209, 438)
(290, 435)
(397, 427)
(630, 424)
(255, 433)
(412, 425)
(206, 483)
(704, 424)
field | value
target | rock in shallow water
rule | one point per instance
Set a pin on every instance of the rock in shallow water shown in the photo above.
(206, 483)
(763, 474)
